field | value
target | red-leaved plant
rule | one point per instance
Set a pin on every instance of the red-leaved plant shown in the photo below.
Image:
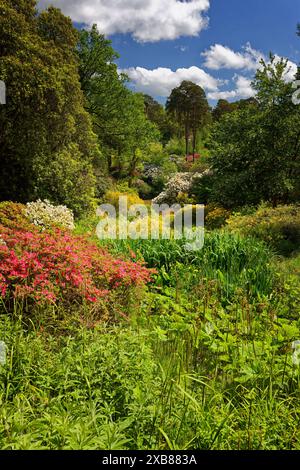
(53, 267)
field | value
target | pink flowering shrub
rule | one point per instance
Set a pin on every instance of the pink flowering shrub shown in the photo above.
(59, 267)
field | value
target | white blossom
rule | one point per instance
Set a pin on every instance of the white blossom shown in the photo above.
(44, 214)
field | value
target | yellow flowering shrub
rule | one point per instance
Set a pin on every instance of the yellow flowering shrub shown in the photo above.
(279, 227)
(112, 197)
(215, 216)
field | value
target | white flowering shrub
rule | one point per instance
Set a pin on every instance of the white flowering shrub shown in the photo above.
(44, 214)
(152, 172)
(181, 183)
(2, 242)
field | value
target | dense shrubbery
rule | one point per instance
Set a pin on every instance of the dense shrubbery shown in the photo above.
(215, 216)
(40, 214)
(208, 355)
(48, 148)
(12, 215)
(57, 267)
(113, 197)
(190, 376)
(279, 227)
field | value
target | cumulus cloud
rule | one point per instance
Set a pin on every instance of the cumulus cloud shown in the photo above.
(146, 20)
(222, 57)
(291, 70)
(161, 81)
(243, 90)
(222, 95)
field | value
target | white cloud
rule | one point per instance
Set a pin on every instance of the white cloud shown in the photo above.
(161, 81)
(291, 69)
(243, 87)
(146, 20)
(243, 90)
(222, 57)
(222, 95)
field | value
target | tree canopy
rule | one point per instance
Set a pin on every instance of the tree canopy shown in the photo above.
(189, 106)
(46, 139)
(256, 149)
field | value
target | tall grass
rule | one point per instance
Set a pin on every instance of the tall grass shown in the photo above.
(233, 261)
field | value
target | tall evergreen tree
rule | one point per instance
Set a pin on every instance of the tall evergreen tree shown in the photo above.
(188, 104)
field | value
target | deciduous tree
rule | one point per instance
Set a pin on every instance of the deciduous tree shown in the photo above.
(44, 129)
(256, 150)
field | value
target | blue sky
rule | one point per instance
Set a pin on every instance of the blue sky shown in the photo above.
(215, 43)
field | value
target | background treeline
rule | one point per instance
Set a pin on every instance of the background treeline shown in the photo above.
(72, 128)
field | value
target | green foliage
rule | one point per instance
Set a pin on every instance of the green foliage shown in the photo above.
(103, 89)
(189, 376)
(279, 227)
(231, 261)
(44, 127)
(122, 186)
(156, 113)
(255, 150)
(146, 192)
(224, 107)
(79, 389)
(202, 364)
(70, 174)
(176, 146)
(203, 187)
(118, 114)
(206, 356)
(113, 197)
(158, 167)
